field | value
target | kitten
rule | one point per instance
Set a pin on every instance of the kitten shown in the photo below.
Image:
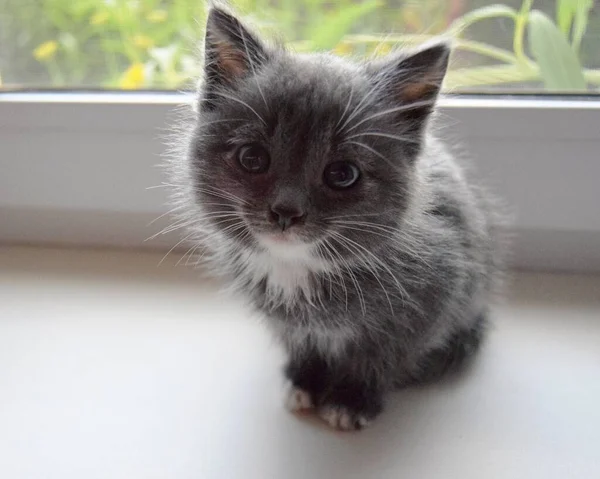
(323, 197)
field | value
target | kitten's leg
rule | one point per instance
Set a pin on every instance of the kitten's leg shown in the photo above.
(342, 397)
(307, 375)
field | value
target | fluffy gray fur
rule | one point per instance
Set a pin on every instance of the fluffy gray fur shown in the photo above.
(378, 286)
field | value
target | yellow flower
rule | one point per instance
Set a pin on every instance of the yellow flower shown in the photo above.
(157, 16)
(133, 77)
(142, 41)
(45, 51)
(99, 18)
(342, 49)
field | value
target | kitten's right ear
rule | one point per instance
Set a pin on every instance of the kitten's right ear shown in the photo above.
(231, 50)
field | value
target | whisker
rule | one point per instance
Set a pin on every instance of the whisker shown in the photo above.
(213, 122)
(185, 238)
(189, 253)
(345, 109)
(327, 248)
(241, 102)
(165, 214)
(173, 227)
(372, 150)
(377, 260)
(408, 246)
(359, 107)
(408, 107)
(374, 273)
(217, 191)
(190, 221)
(403, 139)
(359, 291)
(359, 214)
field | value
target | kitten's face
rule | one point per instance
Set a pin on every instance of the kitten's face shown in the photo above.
(292, 152)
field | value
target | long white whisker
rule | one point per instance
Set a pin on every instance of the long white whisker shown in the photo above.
(345, 109)
(185, 238)
(348, 268)
(378, 261)
(403, 139)
(189, 252)
(165, 214)
(241, 102)
(408, 107)
(358, 108)
(173, 227)
(219, 192)
(396, 236)
(372, 150)
(342, 239)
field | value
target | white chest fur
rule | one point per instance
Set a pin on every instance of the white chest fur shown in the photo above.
(288, 269)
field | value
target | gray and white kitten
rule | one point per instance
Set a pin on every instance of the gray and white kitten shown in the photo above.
(322, 196)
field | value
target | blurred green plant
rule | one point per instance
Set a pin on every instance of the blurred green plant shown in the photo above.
(132, 44)
(553, 48)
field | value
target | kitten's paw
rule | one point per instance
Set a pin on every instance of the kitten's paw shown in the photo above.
(340, 417)
(298, 399)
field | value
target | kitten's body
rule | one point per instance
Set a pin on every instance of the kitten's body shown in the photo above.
(375, 287)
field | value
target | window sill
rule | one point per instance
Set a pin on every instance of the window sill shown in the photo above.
(114, 365)
(76, 168)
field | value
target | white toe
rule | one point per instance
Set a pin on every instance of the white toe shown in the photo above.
(340, 418)
(298, 399)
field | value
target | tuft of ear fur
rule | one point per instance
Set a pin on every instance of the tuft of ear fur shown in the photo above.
(232, 51)
(413, 78)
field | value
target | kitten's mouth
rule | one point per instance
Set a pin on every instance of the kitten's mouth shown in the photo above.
(280, 237)
(284, 244)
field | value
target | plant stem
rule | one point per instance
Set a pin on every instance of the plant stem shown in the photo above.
(520, 24)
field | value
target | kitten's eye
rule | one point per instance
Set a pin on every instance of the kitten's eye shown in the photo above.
(253, 158)
(340, 175)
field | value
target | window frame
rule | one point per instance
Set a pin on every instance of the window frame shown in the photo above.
(75, 168)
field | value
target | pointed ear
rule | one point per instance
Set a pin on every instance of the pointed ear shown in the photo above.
(231, 50)
(415, 78)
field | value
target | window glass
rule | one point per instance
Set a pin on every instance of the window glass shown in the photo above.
(510, 46)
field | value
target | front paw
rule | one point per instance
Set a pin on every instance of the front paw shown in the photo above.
(298, 399)
(337, 416)
(343, 408)
(343, 418)
(345, 401)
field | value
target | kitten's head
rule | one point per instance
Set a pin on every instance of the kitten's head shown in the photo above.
(293, 151)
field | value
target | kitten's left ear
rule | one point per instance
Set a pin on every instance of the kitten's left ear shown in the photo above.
(415, 77)
(231, 50)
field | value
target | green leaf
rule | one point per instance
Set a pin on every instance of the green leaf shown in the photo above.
(582, 10)
(559, 66)
(483, 13)
(565, 11)
(573, 14)
(326, 34)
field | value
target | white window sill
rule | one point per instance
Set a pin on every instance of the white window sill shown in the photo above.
(75, 168)
(112, 365)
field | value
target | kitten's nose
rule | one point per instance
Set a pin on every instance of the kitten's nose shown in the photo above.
(286, 215)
